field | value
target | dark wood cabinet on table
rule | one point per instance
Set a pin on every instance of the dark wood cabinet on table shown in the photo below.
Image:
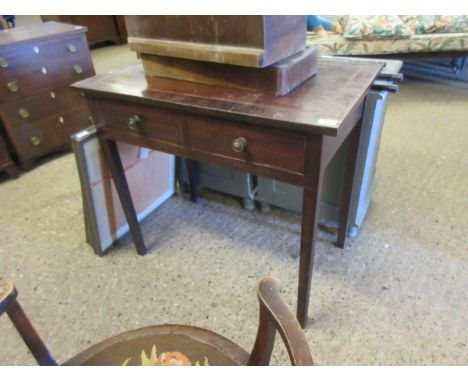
(38, 108)
(101, 28)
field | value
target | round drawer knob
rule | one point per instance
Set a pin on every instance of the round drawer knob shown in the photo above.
(78, 69)
(35, 141)
(44, 70)
(61, 119)
(3, 63)
(13, 86)
(24, 113)
(36, 49)
(134, 122)
(239, 144)
(71, 48)
(52, 94)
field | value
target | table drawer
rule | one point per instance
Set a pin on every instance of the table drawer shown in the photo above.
(32, 109)
(25, 83)
(247, 143)
(30, 55)
(148, 122)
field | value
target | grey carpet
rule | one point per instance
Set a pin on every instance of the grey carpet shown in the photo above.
(396, 295)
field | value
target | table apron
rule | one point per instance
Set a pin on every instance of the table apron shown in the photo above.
(207, 157)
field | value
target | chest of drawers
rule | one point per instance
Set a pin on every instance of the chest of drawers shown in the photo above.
(38, 109)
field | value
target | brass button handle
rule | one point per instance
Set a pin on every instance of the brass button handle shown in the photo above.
(13, 86)
(78, 69)
(71, 48)
(24, 113)
(35, 141)
(134, 122)
(239, 144)
(3, 63)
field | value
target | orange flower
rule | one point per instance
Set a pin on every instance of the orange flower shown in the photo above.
(173, 359)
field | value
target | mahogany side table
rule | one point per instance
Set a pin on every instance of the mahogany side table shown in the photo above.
(289, 138)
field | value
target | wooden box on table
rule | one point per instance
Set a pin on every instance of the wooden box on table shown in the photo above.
(254, 53)
(38, 109)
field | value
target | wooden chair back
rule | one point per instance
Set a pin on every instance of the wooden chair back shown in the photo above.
(195, 345)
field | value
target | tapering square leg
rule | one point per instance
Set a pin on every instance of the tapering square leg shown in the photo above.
(111, 154)
(310, 206)
(192, 169)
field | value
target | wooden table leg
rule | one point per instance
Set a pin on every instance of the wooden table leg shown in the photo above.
(310, 212)
(111, 154)
(192, 170)
(345, 204)
(310, 206)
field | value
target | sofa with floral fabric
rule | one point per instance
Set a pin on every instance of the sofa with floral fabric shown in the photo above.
(396, 36)
(432, 47)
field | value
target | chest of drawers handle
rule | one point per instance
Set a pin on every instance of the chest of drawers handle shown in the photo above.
(239, 144)
(3, 63)
(134, 122)
(71, 48)
(78, 69)
(35, 141)
(12, 86)
(24, 113)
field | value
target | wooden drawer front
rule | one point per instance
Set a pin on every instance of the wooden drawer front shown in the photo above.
(274, 149)
(48, 134)
(31, 142)
(29, 82)
(32, 109)
(27, 55)
(154, 123)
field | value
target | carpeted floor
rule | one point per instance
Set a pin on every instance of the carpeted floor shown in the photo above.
(396, 295)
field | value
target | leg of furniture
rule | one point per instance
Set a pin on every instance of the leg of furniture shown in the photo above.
(10, 305)
(345, 204)
(192, 169)
(308, 230)
(112, 157)
(310, 206)
(28, 164)
(12, 171)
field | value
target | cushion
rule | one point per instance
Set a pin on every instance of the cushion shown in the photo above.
(451, 24)
(419, 24)
(375, 27)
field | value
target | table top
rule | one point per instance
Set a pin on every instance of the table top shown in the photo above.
(320, 105)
